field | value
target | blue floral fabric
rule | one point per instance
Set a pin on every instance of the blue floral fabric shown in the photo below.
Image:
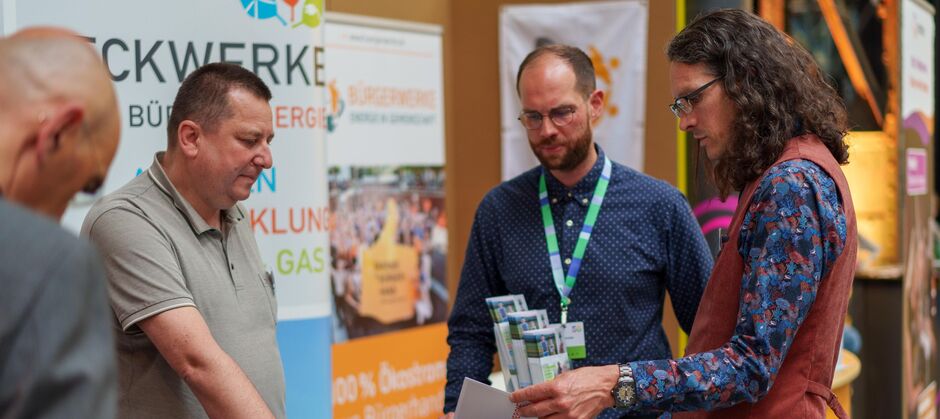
(793, 231)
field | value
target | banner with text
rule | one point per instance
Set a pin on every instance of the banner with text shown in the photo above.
(385, 152)
(613, 34)
(149, 48)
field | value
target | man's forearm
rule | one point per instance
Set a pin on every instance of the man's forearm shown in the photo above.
(224, 390)
(709, 380)
(183, 338)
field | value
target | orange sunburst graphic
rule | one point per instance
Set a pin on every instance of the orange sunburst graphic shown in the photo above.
(603, 69)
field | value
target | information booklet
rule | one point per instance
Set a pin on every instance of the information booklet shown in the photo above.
(531, 350)
(545, 353)
(520, 322)
(499, 308)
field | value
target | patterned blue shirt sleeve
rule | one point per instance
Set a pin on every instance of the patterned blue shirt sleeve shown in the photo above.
(793, 231)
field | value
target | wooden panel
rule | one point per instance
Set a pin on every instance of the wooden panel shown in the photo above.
(425, 11)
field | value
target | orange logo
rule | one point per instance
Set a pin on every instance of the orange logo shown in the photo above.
(604, 69)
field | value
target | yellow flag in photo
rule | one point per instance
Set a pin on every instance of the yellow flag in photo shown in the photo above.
(389, 274)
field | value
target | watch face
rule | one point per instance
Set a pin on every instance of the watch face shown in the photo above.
(624, 393)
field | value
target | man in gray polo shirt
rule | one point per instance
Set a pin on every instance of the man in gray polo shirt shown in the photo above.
(194, 307)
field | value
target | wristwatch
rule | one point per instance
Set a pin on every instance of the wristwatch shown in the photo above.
(624, 392)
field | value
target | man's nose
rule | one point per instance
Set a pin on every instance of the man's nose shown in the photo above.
(264, 157)
(548, 128)
(686, 121)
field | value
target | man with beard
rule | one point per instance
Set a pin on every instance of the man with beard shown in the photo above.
(193, 306)
(622, 238)
(766, 336)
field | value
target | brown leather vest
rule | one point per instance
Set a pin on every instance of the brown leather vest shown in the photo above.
(802, 386)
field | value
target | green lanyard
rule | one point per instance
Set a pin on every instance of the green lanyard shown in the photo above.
(565, 284)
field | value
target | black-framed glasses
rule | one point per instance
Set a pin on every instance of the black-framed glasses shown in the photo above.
(560, 117)
(683, 104)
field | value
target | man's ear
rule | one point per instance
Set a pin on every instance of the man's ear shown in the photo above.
(64, 119)
(188, 134)
(596, 104)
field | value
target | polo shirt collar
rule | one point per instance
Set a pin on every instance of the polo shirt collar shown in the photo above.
(582, 191)
(233, 215)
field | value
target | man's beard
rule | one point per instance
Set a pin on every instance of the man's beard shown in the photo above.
(573, 157)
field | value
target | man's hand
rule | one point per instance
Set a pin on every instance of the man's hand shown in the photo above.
(580, 393)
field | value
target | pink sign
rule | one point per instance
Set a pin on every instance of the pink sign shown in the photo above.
(916, 169)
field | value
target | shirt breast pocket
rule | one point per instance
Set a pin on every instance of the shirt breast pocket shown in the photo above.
(267, 284)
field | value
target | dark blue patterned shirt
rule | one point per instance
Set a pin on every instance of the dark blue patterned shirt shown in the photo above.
(793, 231)
(645, 241)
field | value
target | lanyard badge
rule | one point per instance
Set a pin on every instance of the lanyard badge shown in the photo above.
(565, 283)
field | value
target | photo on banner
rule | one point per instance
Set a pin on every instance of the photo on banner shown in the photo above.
(388, 248)
(613, 35)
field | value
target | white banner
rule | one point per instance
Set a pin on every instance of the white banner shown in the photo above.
(613, 34)
(150, 47)
(917, 61)
(385, 87)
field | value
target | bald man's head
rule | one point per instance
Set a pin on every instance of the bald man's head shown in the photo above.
(60, 123)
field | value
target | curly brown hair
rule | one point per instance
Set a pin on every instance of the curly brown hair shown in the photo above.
(778, 90)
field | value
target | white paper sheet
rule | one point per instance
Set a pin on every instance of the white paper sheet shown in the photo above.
(480, 401)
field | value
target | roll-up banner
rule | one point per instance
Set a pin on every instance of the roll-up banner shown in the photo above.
(385, 152)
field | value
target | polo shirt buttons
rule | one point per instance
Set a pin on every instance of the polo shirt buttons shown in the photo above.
(567, 261)
(569, 223)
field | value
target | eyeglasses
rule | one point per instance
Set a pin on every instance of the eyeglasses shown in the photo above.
(560, 117)
(683, 105)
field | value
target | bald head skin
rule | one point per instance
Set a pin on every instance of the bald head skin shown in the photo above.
(59, 122)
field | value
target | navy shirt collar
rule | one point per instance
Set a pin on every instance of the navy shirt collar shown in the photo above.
(581, 191)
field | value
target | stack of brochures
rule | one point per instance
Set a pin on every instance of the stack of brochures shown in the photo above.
(531, 350)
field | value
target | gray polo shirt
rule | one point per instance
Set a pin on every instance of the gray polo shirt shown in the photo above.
(160, 254)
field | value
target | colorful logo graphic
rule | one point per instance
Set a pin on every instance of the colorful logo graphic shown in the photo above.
(603, 69)
(311, 12)
(337, 106)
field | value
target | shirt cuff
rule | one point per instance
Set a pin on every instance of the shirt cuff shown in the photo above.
(152, 310)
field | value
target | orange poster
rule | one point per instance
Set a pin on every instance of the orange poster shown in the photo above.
(394, 375)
